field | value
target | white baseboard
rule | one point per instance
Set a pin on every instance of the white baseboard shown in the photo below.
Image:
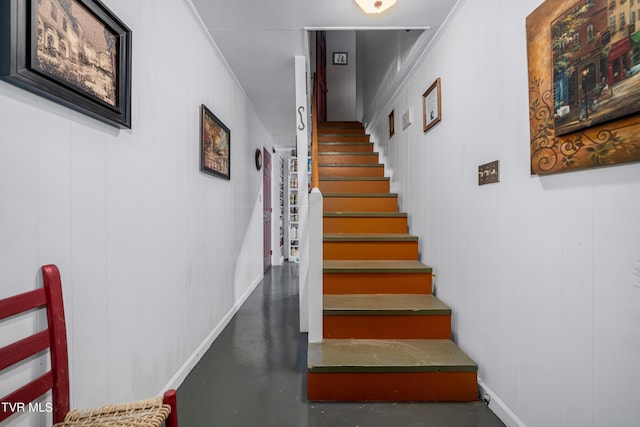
(498, 407)
(195, 357)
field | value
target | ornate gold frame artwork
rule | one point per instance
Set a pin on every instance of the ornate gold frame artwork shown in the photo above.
(431, 106)
(584, 85)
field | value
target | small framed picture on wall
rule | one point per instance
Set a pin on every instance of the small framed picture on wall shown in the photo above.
(431, 106)
(392, 123)
(340, 58)
(215, 145)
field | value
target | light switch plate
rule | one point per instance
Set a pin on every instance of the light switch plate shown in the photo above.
(406, 119)
(489, 172)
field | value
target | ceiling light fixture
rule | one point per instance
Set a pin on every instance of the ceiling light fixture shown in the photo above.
(375, 6)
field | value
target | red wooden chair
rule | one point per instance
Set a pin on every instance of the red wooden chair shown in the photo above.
(144, 413)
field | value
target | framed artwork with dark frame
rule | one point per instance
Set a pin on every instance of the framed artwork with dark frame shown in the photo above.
(73, 52)
(584, 86)
(215, 145)
(431, 106)
(392, 123)
(340, 58)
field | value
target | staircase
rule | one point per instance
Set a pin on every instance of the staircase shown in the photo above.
(386, 337)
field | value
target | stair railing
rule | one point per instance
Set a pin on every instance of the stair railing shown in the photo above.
(315, 180)
(315, 230)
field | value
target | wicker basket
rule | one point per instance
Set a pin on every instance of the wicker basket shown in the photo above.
(145, 413)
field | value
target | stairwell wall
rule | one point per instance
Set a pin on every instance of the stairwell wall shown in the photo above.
(341, 79)
(155, 256)
(541, 272)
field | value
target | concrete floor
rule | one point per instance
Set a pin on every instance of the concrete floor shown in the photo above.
(254, 374)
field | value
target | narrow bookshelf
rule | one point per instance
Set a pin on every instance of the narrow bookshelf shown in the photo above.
(293, 253)
(281, 205)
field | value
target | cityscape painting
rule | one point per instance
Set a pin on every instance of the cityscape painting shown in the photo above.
(215, 145)
(584, 84)
(77, 47)
(596, 64)
(74, 52)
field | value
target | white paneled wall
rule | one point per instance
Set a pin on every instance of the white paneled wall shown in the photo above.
(541, 272)
(154, 255)
(341, 79)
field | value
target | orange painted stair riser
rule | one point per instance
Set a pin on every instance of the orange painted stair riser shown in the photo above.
(354, 186)
(346, 148)
(340, 124)
(364, 225)
(348, 158)
(410, 386)
(370, 250)
(387, 327)
(372, 171)
(360, 204)
(343, 138)
(340, 131)
(377, 283)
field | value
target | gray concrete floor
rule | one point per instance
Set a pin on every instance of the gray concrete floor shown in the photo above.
(254, 374)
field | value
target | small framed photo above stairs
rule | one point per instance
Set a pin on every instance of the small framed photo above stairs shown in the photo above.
(340, 58)
(431, 106)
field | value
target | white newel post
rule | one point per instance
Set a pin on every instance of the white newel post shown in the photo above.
(315, 266)
(302, 124)
(310, 216)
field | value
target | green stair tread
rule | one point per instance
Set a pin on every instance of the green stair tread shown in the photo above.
(380, 356)
(384, 304)
(369, 237)
(375, 266)
(365, 215)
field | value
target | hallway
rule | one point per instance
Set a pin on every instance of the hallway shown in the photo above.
(254, 374)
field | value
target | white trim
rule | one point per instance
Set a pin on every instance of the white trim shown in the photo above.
(315, 267)
(498, 407)
(200, 351)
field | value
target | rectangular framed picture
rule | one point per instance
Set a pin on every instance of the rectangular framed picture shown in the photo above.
(431, 106)
(392, 123)
(215, 145)
(74, 52)
(594, 80)
(584, 85)
(340, 58)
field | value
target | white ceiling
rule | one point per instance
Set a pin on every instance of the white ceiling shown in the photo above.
(259, 40)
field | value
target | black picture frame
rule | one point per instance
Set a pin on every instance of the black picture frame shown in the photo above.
(74, 52)
(340, 58)
(215, 145)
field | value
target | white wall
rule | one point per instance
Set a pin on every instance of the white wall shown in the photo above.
(341, 79)
(382, 54)
(541, 272)
(155, 256)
